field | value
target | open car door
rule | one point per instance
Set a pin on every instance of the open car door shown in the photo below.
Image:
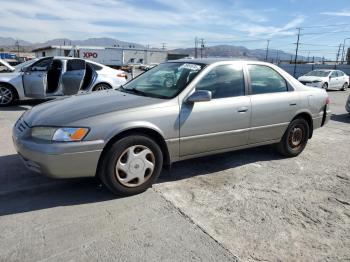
(72, 79)
(35, 78)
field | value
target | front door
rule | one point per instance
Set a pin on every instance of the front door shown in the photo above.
(35, 78)
(72, 79)
(273, 105)
(221, 123)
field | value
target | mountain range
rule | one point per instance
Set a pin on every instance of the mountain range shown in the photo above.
(11, 44)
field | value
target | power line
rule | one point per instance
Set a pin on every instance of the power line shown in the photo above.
(320, 26)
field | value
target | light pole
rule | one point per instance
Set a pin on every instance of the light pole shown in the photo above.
(342, 54)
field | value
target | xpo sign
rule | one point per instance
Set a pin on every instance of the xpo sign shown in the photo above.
(105, 56)
(90, 55)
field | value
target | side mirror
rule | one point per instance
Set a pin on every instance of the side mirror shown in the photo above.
(199, 96)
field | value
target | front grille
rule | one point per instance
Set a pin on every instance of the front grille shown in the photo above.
(21, 125)
(305, 82)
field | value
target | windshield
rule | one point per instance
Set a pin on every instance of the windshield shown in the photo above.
(24, 64)
(164, 81)
(320, 73)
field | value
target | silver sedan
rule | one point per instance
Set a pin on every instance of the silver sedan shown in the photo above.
(53, 77)
(126, 136)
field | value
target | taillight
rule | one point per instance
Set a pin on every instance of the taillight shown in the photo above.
(121, 75)
(328, 100)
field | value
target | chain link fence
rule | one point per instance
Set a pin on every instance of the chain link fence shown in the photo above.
(302, 69)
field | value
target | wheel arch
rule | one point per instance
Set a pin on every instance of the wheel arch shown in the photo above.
(101, 83)
(12, 87)
(307, 116)
(150, 132)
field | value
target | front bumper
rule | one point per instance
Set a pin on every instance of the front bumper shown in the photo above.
(58, 160)
(347, 106)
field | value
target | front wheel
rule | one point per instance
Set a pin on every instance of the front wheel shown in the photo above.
(101, 87)
(325, 86)
(7, 95)
(295, 138)
(131, 165)
(344, 87)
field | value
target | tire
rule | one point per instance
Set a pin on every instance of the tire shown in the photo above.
(325, 86)
(344, 87)
(295, 138)
(101, 87)
(7, 95)
(125, 174)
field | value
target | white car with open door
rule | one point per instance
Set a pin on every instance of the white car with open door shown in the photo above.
(50, 77)
(326, 79)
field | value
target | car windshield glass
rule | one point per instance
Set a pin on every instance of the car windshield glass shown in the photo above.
(318, 73)
(165, 80)
(24, 64)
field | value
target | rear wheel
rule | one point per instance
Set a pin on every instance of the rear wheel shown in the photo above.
(7, 95)
(102, 86)
(295, 138)
(131, 165)
(345, 86)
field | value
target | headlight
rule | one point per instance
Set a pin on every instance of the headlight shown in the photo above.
(63, 134)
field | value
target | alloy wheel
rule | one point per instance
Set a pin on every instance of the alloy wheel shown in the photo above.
(135, 166)
(6, 95)
(102, 87)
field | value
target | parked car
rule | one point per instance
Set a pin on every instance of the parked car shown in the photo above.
(347, 106)
(55, 76)
(326, 79)
(148, 67)
(126, 136)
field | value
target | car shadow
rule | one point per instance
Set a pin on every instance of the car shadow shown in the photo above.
(23, 105)
(344, 118)
(24, 191)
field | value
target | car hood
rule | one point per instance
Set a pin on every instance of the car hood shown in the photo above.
(311, 78)
(63, 111)
(4, 63)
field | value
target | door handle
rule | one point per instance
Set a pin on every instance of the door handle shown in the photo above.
(242, 109)
(293, 104)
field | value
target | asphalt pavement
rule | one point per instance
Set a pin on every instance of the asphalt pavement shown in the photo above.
(250, 205)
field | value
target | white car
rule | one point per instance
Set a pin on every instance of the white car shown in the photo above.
(347, 106)
(326, 79)
(50, 77)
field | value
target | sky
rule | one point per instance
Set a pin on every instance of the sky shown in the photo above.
(250, 23)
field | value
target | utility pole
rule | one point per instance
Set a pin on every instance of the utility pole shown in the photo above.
(308, 56)
(195, 47)
(202, 47)
(342, 53)
(277, 56)
(17, 44)
(338, 53)
(296, 52)
(267, 49)
(163, 46)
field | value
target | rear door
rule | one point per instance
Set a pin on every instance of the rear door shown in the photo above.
(35, 78)
(73, 78)
(274, 104)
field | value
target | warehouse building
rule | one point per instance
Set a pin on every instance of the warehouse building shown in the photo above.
(111, 56)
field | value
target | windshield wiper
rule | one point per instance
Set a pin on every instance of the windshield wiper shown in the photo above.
(132, 91)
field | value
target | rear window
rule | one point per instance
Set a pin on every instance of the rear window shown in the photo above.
(95, 67)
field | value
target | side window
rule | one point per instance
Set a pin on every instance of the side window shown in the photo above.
(334, 74)
(75, 64)
(340, 73)
(42, 64)
(223, 81)
(264, 80)
(95, 67)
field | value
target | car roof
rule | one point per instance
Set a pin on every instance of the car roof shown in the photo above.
(208, 61)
